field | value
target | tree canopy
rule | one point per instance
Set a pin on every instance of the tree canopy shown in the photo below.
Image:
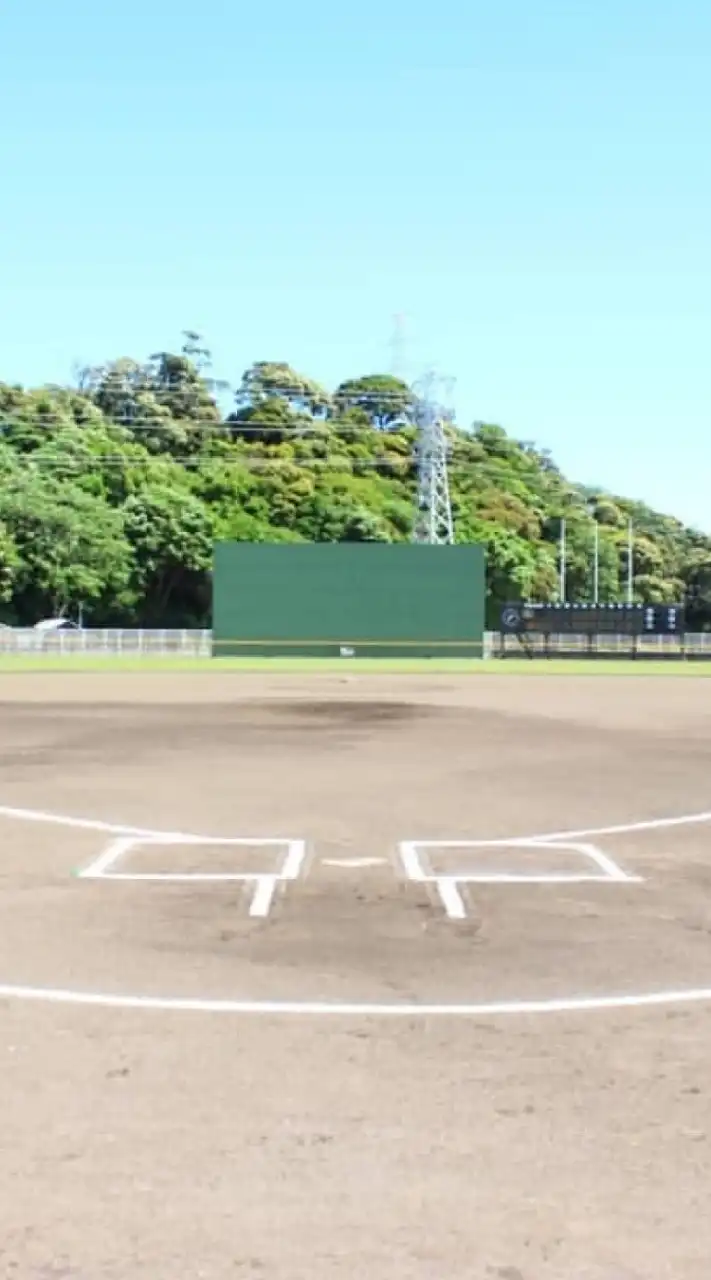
(113, 491)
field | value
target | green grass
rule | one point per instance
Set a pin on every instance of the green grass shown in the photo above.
(11, 664)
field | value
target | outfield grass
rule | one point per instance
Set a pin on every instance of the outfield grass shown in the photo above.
(11, 664)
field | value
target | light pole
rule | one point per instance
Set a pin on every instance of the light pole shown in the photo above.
(596, 563)
(592, 512)
(562, 586)
(630, 562)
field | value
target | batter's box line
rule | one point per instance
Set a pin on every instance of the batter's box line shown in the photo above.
(265, 883)
(413, 855)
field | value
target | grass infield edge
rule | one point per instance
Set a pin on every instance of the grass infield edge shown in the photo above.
(28, 664)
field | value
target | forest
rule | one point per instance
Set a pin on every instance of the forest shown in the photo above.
(114, 489)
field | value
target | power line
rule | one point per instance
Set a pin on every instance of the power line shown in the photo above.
(87, 466)
(114, 383)
(225, 424)
(277, 395)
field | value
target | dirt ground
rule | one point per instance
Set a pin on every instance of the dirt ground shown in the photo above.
(184, 1136)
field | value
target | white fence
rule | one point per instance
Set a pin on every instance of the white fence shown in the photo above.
(108, 643)
(694, 644)
(119, 642)
(198, 644)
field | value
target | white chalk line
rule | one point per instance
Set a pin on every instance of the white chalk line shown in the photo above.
(180, 877)
(619, 829)
(451, 898)
(448, 885)
(354, 862)
(177, 1004)
(561, 877)
(86, 824)
(102, 868)
(149, 834)
(350, 1009)
(607, 868)
(124, 829)
(607, 865)
(265, 884)
(263, 895)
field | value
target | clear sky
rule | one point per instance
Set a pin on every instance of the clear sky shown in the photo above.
(527, 181)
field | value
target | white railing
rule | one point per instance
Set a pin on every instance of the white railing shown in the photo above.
(695, 644)
(110, 642)
(153, 642)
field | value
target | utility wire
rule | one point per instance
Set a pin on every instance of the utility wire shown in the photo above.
(119, 462)
(233, 433)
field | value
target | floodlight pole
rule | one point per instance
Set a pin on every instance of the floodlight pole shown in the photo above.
(562, 583)
(630, 563)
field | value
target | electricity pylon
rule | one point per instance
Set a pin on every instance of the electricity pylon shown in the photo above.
(433, 516)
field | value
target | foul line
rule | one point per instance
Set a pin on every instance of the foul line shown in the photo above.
(147, 834)
(89, 824)
(619, 829)
(177, 1004)
(319, 1008)
(125, 829)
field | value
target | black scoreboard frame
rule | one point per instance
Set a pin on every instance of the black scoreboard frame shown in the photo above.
(542, 629)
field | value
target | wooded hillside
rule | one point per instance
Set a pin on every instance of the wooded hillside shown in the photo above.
(113, 491)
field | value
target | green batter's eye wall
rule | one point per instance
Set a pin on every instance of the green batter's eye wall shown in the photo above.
(324, 599)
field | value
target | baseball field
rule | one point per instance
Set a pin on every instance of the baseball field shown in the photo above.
(308, 972)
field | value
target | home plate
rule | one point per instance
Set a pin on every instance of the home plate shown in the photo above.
(353, 862)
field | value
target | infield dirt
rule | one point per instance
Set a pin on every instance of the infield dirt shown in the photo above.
(168, 1146)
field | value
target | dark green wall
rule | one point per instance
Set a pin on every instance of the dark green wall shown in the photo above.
(382, 600)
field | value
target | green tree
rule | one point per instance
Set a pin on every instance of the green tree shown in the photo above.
(112, 492)
(70, 551)
(172, 536)
(268, 380)
(382, 399)
(9, 563)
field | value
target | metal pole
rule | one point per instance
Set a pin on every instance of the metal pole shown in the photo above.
(562, 583)
(630, 564)
(596, 563)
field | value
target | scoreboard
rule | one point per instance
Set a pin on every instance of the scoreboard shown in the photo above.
(593, 619)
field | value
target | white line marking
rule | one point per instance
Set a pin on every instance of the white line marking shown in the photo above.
(411, 861)
(562, 877)
(93, 824)
(607, 865)
(176, 1004)
(628, 828)
(265, 885)
(447, 884)
(82, 824)
(619, 829)
(97, 870)
(452, 900)
(353, 862)
(125, 829)
(177, 877)
(317, 1008)
(263, 895)
(294, 860)
(259, 842)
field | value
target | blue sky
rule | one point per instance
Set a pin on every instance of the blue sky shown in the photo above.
(527, 181)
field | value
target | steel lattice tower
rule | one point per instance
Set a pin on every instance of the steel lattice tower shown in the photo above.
(433, 516)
